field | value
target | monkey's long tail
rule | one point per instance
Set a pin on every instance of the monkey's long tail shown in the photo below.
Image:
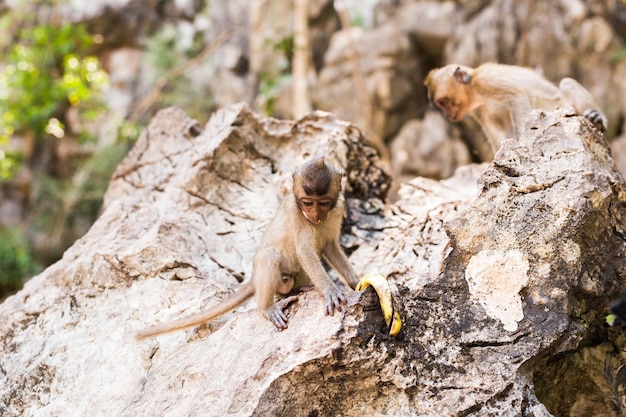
(225, 306)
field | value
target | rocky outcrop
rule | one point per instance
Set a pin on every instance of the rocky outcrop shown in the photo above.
(390, 79)
(505, 271)
(428, 148)
(223, 53)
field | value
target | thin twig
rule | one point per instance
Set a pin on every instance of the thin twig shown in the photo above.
(152, 97)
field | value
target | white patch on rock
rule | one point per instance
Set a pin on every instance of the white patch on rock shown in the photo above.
(571, 251)
(495, 279)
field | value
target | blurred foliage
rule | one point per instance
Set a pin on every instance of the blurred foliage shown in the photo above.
(9, 161)
(620, 54)
(51, 87)
(127, 132)
(46, 71)
(272, 82)
(63, 210)
(286, 46)
(357, 19)
(270, 86)
(167, 51)
(16, 263)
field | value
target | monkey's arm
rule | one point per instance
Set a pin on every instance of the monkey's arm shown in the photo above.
(230, 303)
(493, 131)
(338, 259)
(575, 95)
(312, 266)
(501, 119)
(519, 110)
(267, 279)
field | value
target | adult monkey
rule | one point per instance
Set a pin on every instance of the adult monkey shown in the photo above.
(306, 227)
(500, 97)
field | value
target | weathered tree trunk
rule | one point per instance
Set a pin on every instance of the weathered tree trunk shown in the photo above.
(301, 58)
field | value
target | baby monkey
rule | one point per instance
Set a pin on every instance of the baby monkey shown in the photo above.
(305, 228)
(500, 97)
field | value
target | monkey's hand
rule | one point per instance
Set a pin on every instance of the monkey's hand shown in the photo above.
(596, 118)
(275, 313)
(334, 299)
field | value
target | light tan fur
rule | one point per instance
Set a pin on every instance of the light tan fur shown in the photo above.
(232, 302)
(500, 97)
(305, 228)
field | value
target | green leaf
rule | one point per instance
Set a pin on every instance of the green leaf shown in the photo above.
(610, 319)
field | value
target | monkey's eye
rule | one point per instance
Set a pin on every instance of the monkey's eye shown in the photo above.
(307, 203)
(442, 102)
(324, 203)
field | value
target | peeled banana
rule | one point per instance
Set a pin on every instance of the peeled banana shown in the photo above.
(389, 299)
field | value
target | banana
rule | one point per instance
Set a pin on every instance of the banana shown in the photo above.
(389, 297)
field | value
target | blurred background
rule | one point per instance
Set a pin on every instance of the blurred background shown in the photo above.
(80, 80)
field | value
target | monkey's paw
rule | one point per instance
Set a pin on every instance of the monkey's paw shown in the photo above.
(334, 299)
(596, 118)
(389, 297)
(275, 313)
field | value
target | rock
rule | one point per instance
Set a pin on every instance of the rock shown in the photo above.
(391, 75)
(271, 38)
(505, 271)
(618, 147)
(542, 253)
(428, 148)
(430, 23)
(181, 221)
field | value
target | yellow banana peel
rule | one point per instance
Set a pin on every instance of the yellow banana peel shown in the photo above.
(389, 297)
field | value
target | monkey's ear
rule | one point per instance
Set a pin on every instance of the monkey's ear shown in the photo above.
(461, 76)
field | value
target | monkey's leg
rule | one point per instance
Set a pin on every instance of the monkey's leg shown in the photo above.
(494, 135)
(268, 280)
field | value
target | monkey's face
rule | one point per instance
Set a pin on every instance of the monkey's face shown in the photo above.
(450, 98)
(447, 90)
(315, 208)
(316, 187)
(453, 110)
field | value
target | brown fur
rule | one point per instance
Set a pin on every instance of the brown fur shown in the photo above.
(500, 97)
(290, 252)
